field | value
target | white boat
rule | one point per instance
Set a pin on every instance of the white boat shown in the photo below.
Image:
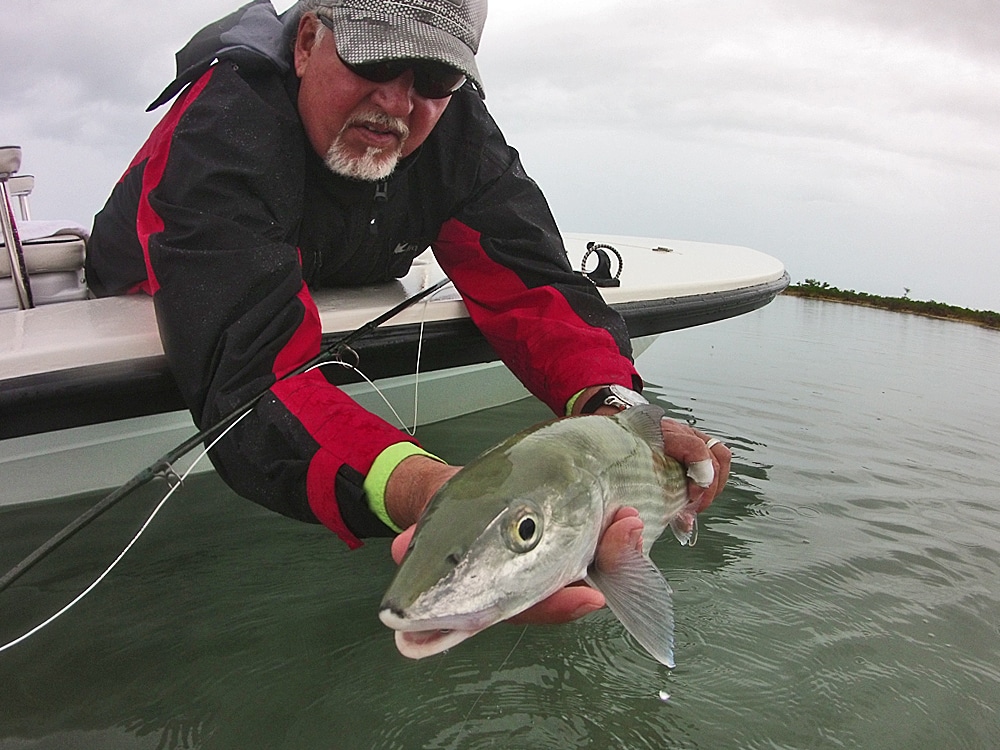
(84, 383)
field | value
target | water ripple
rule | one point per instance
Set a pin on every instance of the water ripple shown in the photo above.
(843, 592)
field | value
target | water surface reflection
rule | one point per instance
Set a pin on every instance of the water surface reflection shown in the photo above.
(843, 592)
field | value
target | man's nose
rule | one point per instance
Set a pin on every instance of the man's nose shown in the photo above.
(395, 97)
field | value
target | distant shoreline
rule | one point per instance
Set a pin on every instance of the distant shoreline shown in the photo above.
(812, 289)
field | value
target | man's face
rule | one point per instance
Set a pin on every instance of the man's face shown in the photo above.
(361, 128)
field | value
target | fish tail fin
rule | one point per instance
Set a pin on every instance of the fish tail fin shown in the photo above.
(640, 597)
(685, 526)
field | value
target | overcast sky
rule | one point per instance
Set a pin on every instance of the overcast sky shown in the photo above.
(857, 141)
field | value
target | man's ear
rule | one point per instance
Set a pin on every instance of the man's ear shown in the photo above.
(305, 41)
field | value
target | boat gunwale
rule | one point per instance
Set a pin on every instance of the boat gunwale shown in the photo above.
(95, 393)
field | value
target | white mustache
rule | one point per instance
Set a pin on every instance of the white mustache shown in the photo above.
(379, 121)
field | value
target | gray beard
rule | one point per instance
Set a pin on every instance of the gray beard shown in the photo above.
(372, 166)
(375, 164)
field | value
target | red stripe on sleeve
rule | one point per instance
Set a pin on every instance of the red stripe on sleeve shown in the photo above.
(536, 331)
(320, 490)
(308, 397)
(346, 433)
(155, 152)
(305, 341)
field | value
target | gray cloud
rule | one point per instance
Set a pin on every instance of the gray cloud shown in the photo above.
(970, 27)
(857, 141)
(750, 69)
(76, 79)
(854, 144)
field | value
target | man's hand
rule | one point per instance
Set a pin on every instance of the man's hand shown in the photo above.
(417, 478)
(411, 486)
(690, 447)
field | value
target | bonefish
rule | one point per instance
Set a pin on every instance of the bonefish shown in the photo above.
(523, 520)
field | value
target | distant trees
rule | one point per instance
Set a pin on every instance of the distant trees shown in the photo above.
(823, 290)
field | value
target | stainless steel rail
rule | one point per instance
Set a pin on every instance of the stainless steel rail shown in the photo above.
(10, 162)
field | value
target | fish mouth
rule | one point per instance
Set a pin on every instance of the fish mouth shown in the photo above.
(418, 639)
(417, 644)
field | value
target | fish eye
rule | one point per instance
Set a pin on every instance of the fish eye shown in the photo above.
(526, 529)
(522, 529)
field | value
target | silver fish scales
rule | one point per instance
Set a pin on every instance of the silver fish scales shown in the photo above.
(523, 520)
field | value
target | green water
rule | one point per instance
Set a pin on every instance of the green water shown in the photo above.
(844, 592)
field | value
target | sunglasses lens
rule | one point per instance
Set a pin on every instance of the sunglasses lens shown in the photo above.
(379, 72)
(434, 81)
(430, 80)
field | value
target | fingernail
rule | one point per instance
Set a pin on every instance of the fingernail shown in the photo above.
(701, 472)
(635, 539)
(584, 610)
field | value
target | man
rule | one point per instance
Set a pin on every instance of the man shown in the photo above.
(328, 147)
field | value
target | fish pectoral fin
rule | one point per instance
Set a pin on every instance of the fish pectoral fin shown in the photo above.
(685, 526)
(640, 597)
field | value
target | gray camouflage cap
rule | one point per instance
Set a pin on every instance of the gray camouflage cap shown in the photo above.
(447, 31)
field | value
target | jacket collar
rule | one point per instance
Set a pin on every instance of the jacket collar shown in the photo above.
(253, 35)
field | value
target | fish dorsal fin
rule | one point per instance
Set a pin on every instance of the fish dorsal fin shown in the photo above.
(640, 597)
(644, 421)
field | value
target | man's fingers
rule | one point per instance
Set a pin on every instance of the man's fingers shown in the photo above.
(566, 605)
(707, 467)
(684, 443)
(623, 536)
(400, 543)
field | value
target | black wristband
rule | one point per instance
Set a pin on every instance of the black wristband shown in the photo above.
(598, 400)
(612, 395)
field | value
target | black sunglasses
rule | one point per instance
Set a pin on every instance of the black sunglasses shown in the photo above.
(431, 79)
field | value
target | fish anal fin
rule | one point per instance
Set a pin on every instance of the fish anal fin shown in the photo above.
(640, 597)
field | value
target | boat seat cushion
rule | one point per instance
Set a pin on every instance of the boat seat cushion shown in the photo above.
(63, 253)
(48, 247)
(54, 253)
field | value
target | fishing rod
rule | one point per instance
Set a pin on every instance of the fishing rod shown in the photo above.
(163, 466)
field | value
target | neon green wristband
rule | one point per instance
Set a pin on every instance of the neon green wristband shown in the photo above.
(572, 402)
(378, 477)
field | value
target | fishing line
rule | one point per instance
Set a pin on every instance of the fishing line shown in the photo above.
(420, 350)
(487, 689)
(174, 486)
(371, 383)
(408, 429)
(416, 371)
(163, 467)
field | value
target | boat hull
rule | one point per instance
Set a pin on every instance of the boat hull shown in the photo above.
(85, 385)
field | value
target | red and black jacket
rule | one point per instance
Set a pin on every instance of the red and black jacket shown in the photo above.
(227, 217)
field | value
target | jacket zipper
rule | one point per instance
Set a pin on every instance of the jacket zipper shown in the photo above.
(381, 197)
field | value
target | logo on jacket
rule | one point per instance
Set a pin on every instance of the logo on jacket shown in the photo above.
(408, 247)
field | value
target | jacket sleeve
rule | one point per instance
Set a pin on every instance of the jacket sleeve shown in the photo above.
(502, 249)
(218, 212)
